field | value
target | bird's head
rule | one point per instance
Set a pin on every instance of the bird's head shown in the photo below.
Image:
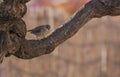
(48, 27)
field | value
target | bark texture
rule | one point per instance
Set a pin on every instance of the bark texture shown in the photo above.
(27, 49)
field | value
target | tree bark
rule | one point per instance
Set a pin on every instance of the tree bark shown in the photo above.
(27, 49)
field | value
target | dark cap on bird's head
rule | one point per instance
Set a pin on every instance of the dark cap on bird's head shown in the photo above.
(47, 26)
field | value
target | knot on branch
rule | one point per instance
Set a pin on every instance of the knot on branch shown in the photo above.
(12, 27)
(11, 35)
(105, 7)
(110, 3)
(11, 9)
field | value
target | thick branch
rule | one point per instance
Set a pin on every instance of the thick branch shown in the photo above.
(95, 8)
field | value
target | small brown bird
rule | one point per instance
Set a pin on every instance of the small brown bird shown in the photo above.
(40, 31)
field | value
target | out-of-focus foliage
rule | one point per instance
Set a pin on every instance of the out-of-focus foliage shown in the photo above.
(67, 6)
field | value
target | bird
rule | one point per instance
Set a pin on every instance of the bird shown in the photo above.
(41, 31)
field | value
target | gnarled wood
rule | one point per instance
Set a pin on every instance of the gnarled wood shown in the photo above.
(27, 49)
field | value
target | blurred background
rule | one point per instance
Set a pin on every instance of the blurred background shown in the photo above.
(93, 52)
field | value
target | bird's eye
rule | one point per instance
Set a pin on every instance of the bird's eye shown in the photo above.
(48, 27)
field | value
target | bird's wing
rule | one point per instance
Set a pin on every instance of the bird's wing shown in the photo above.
(37, 29)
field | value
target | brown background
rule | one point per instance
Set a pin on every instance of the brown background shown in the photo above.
(93, 52)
